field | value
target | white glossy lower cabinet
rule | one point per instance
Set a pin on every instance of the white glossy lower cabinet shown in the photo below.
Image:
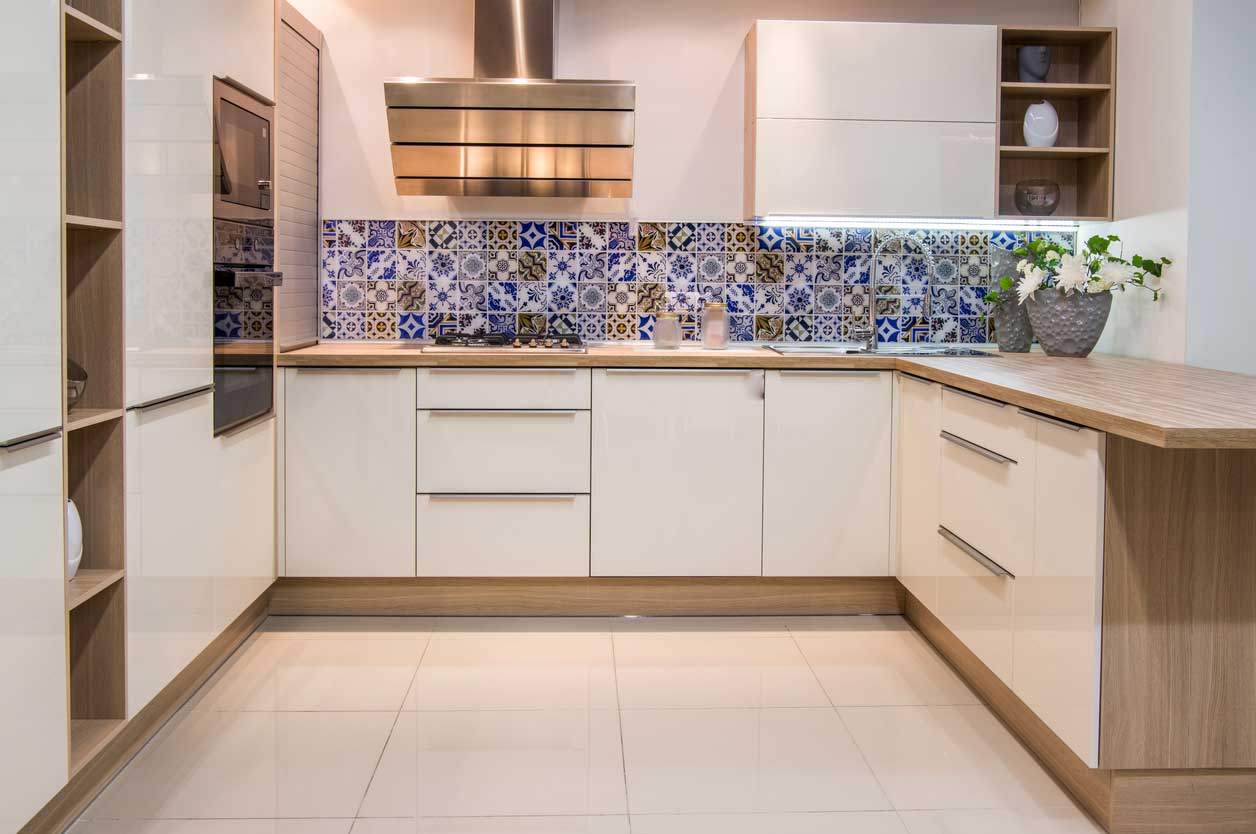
(34, 723)
(503, 388)
(1056, 667)
(919, 456)
(503, 450)
(349, 471)
(503, 535)
(976, 605)
(677, 472)
(172, 519)
(244, 564)
(988, 499)
(826, 473)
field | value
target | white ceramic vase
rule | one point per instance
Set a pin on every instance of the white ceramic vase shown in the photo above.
(1042, 125)
(74, 540)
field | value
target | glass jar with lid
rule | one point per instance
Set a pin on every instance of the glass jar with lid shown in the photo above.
(667, 331)
(715, 325)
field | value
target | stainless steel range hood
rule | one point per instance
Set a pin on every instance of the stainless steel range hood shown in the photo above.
(513, 130)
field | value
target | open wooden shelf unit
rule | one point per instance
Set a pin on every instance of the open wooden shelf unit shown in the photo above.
(93, 313)
(1081, 85)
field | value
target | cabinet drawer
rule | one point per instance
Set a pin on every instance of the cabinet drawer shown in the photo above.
(503, 388)
(988, 501)
(486, 450)
(976, 604)
(503, 535)
(990, 424)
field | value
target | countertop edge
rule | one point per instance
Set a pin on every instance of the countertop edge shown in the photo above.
(1166, 437)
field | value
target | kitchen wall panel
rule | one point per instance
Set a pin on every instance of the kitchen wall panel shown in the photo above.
(687, 59)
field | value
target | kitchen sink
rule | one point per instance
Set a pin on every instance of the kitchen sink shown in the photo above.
(899, 349)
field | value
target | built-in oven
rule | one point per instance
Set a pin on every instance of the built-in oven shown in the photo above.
(244, 257)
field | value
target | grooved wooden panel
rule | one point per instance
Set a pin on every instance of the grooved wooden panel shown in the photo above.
(297, 183)
(1179, 609)
(592, 597)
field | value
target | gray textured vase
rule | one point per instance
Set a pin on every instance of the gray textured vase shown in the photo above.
(1068, 325)
(1011, 327)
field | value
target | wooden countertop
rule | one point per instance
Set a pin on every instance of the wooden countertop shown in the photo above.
(1162, 404)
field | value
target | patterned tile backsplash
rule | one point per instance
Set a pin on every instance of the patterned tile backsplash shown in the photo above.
(415, 279)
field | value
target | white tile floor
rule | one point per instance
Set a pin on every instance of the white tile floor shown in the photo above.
(844, 725)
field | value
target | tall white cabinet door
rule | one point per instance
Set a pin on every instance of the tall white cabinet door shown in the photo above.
(1058, 606)
(173, 511)
(826, 473)
(34, 715)
(350, 476)
(677, 472)
(30, 218)
(813, 69)
(244, 541)
(919, 457)
(882, 168)
(168, 128)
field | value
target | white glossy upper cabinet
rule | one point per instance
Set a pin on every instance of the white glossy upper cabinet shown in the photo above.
(172, 506)
(826, 479)
(918, 463)
(677, 472)
(30, 218)
(839, 124)
(1057, 619)
(349, 453)
(33, 689)
(172, 52)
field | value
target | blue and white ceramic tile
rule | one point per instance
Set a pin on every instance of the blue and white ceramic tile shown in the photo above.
(415, 279)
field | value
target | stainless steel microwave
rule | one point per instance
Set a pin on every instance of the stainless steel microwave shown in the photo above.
(243, 153)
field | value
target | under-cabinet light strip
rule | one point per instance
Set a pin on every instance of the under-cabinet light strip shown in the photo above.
(917, 223)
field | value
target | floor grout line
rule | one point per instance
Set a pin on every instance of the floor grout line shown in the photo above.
(400, 709)
(619, 717)
(837, 712)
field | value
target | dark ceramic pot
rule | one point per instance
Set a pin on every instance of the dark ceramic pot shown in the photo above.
(1012, 329)
(1069, 325)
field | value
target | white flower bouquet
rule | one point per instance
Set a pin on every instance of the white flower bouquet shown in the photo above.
(1098, 268)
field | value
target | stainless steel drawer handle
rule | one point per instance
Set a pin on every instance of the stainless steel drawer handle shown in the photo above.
(28, 440)
(454, 370)
(976, 555)
(973, 447)
(659, 371)
(1055, 421)
(501, 496)
(831, 372)
(173, 398)
(978, 397)
(915, 378)
(503, 412)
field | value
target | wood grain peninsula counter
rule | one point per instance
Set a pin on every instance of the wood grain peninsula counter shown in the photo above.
(1165, 405)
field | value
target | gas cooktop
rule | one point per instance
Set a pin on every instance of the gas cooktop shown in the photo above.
(497, 341)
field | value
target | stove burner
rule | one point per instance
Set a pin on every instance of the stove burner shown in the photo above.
(500, 341)
(471, 340)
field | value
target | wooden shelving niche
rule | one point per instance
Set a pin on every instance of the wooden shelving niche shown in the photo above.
(93, 327)
(1081, 85)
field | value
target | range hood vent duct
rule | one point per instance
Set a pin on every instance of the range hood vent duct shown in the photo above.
(513, 130)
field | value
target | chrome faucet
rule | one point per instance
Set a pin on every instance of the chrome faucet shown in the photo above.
(868, 335)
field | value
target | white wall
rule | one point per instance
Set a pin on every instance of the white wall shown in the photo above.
(1223, 180)
(1153, 136)
(686, 56)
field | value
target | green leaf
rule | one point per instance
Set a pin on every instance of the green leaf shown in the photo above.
(1006, 282)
